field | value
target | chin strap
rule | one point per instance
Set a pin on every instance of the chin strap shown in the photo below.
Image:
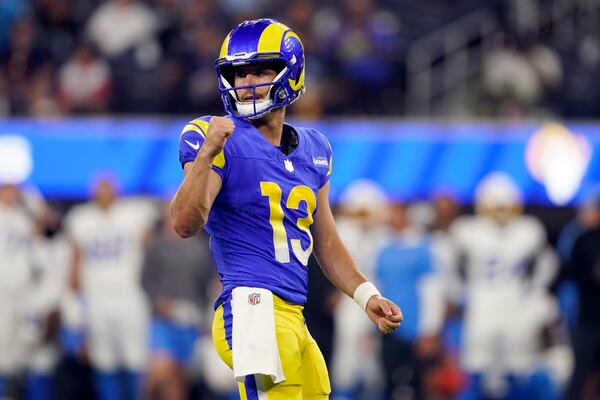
(248, 108)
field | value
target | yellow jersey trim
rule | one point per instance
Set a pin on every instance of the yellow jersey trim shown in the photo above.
(200, 126)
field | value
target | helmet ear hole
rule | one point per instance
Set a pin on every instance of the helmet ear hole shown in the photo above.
(281, 94)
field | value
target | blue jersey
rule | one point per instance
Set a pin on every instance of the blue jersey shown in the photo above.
(401, 267)
(260, 221)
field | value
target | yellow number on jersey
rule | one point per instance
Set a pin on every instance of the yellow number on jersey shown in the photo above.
(280, 240)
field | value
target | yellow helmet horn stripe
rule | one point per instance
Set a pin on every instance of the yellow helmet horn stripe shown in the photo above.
(271, 38)
(225, 46)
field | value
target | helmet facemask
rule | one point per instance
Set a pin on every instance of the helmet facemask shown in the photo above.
(277, 95)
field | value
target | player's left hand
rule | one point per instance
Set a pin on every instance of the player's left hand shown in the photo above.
(384, 313)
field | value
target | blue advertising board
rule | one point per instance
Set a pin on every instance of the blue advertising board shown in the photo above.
(552, 163)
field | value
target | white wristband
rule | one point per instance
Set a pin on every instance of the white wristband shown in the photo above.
(364, 292)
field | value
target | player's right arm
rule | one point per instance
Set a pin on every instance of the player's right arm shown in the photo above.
(201, 185)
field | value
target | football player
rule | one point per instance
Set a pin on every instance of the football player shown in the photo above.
(109, 236)
(506, 267)
(360, 219)
(260, 187)
(177, 306)
(17, 234)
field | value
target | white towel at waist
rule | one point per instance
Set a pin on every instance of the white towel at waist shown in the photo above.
(254, 342)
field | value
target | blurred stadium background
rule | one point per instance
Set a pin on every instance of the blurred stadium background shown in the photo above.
(421, 100)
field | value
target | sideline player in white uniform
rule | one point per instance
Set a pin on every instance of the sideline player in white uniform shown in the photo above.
(17, 232)
(109, 237)
(360, 222)
(506, 267)
(52, 259)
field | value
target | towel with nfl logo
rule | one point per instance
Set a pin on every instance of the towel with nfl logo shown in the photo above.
(254, 342)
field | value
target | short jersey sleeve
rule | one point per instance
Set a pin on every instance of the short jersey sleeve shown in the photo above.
(191, 140)
(329, 157)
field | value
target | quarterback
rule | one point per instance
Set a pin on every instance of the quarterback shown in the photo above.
(260, 188)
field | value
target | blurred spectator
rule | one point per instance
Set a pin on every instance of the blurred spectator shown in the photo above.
(201, 83)
(169, 21)
(357, 57)
(41, 99)
(506, 268)
(408, 275)
(175, 276)
(359, 218)
(4, 99)
(119, 25)
(84, 83)
(109, 236)
(581, 72)
(55, 19)
(510, 80)
(126, 32)
(364, 45)
(24, 59)
(519, 75)
(446, 210)
(10, 11)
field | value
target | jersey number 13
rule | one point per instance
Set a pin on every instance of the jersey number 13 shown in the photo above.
(280, 239)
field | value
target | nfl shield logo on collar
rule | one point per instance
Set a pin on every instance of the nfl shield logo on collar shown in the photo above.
(288, 165)
(254, 298)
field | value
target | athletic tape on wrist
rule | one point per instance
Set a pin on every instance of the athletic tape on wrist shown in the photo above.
(364, 292)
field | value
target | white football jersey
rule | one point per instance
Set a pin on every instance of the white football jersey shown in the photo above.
(496, 257)
(112, 244)
(53, 258)
(17, 232)
(505, 272)
(363, 244)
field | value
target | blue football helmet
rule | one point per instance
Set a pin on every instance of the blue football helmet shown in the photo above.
(261, 41)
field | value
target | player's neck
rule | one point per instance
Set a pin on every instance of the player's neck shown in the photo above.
(271, 126)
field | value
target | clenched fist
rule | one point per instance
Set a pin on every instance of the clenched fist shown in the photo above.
(384, 313)
(219, 129)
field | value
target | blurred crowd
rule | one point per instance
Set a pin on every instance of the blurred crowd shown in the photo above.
(103, 300)
(73, 57)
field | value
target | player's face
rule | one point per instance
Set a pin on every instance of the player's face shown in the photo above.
(10, 195)
(397, 217)
(590, 215)
(253, 75)
(105, 193)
